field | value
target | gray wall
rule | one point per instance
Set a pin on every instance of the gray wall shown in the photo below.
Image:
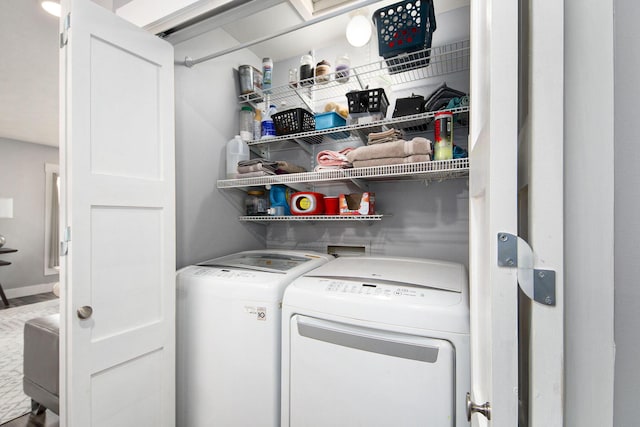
(22, 178)
(589, 215)
(206, 118)
(627, 207)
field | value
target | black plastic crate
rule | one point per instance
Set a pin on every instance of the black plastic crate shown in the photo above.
(296, 120)
(403, 28)
(368, 101)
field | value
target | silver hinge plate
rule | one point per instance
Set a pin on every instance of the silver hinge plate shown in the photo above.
(64, 35)
(64, 244)
(539, 285)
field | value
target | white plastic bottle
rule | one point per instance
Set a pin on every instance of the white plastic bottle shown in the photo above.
(237, 150)
(267, 125)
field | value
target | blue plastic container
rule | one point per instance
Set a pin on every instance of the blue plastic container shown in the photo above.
(331, 120)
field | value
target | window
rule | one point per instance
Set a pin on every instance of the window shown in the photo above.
(51, 219)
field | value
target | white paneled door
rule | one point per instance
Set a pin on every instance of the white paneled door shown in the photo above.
(118, 215)
(493, 143)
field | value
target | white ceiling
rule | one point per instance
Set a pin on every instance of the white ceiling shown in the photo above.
(28, 73)
(29, 65)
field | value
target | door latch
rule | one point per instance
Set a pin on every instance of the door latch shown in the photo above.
(539, 285)
(484, 409)
(64, 243)
(64, 35)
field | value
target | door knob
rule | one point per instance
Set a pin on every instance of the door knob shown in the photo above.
(484, 409)
(85, 312)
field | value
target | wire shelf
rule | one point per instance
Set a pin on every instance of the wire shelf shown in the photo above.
(446, 59)
(312, 218)
(358, 130)
(429, 171)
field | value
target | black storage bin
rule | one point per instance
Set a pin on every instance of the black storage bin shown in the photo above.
(411, 105)
(296, 120)
(368, 101)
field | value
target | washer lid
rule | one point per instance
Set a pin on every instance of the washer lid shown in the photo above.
(406, 271)
(261, 261)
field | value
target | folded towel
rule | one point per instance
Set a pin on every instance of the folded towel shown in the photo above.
(456, 102)
(399, 148)
(392, 161)
(285, 167)
(333, 158)
(256, 165)
(250, 168)
(254, 174)
(383, 140)
(321, 168)
(385, 136)
(264, 162)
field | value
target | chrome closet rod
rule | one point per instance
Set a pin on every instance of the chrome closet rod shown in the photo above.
(189, 62)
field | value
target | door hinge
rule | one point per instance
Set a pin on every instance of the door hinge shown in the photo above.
(539, 285)
(64, 243)
(64, 35)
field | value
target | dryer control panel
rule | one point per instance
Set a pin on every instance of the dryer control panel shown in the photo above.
(381, 289)
(371, 289)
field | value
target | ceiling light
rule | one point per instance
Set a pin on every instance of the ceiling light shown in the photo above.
(53, 7)
(358, 30)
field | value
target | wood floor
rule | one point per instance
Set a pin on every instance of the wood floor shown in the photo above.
(48, 419)
(30, 299)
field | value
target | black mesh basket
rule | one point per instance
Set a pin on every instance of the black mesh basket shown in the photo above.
(368, 101)
(296, 120)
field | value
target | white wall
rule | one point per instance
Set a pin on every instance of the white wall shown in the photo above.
(627, 206)
(588, 189)
(22, 177)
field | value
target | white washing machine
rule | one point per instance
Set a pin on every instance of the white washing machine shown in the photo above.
(228, 336)
(376, 341)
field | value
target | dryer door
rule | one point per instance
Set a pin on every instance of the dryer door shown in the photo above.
(349, 375)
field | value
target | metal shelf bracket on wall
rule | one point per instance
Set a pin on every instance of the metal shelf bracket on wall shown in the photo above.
(302, 144)
(539, 285)
(361, 184)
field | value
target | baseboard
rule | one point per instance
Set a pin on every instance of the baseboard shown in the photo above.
(29, 290)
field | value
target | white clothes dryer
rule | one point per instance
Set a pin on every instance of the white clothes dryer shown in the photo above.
(228, 336)
(376, 341)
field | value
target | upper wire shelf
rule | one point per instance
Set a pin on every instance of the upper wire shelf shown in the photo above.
(446, 59)
(360, 130)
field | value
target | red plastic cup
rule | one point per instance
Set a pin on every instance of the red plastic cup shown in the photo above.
(331, 205)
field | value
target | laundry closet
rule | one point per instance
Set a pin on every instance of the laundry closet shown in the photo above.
(422, 209)
(419, 214)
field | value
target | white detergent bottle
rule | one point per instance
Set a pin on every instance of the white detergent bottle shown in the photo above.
(237, 150)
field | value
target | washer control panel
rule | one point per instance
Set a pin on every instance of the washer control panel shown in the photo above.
(224, 273)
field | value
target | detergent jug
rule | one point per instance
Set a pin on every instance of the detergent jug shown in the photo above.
(279, 196)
